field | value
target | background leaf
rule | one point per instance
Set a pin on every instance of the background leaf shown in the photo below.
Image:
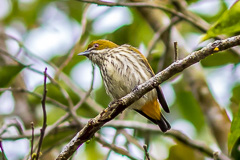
(234, 137)
(188, 105)
(219, 59)
(228, 23)
(8, 73)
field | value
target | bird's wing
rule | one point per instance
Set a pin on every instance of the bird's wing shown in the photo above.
(150, 70)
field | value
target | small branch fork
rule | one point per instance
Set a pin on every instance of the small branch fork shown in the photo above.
(146, 152)
(2, 150)
(120, 105)
(44, 126)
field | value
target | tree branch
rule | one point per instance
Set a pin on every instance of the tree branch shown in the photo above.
(44, 126)
(143, 127)
(118, 106)
(149, 5)
(146, 152)
(32, 140)
(114, 147)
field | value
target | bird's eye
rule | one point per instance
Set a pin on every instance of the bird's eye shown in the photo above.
(96, 45)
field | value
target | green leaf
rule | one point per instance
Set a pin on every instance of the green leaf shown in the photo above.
(228, 23)
(75, 9)
(235, 151)
(58, 60)
(183, 152)
(58, 137)
(188, 105)
(236, 94)
(8, 73)
(55, 93)
(139, 26)
(1, 156)
(234, 136)
(221, 58)
(101, 97)
(92, 147)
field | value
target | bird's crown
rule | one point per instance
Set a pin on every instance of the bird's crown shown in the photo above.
(101, 44)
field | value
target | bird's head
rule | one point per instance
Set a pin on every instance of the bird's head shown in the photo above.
(98, 49)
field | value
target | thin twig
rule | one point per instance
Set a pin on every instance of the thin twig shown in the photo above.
(215, 155)
(32, 140)
(70, 103)
(113, 142)
(114, 147)
(26, 66)
(146, 152)
(48, 99)
(73, 49)
(74, 109)
(65, 78)
(58, 143)
(1, 147)
(67, 115)
(44, 126)
(143, 127)
(96, 107)
(175, 51)
(88, 92)
(149, 5)
(159, 33)
(13, 122)
(131, 139)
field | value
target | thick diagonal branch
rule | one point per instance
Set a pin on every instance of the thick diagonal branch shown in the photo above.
(117, 107)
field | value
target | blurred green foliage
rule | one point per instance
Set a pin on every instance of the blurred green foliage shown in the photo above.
(92, 151)
(145, 32)
(25, 16)
(228, 23)
(234, 136)
(8, 73)
(54, 92)
(220, 59)
(183, 152)
(188, 105)
(236, 94)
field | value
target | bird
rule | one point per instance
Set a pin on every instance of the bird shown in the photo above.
(124, 67)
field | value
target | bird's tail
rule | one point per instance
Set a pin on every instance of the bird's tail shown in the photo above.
(162, 123)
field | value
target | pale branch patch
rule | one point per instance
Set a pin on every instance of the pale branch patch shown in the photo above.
(120, 105)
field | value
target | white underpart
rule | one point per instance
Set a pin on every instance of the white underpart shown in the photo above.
(125, 82)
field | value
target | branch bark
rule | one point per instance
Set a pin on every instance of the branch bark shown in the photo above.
(120, 105)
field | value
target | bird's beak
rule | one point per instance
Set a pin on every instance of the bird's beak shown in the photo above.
(85, 53)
